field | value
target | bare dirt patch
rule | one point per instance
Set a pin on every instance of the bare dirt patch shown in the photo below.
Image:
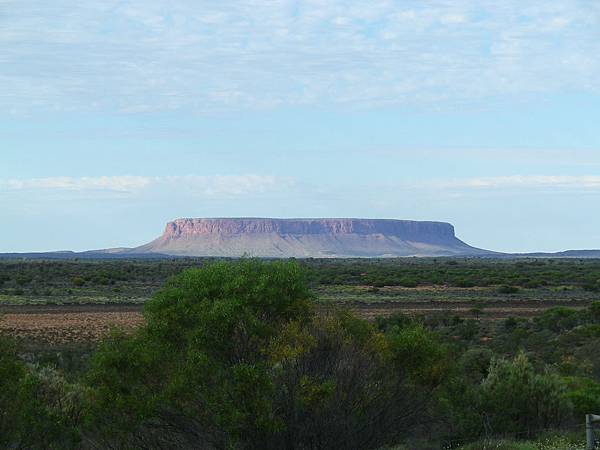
(63, 324)
(482, 310)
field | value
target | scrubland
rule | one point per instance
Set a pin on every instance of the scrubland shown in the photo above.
(319, 354)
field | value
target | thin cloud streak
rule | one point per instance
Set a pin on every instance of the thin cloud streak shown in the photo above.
(205, 186)
(106, 183)
(231, 186)
(545, 156)
(589, 182)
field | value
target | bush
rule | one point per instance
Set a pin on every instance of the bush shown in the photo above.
(342, 384)
(38, 408)
(584, 394)
(507, 289)
(22, 280)
(464, 283)
(232, 357)
(559, 319)
(11, 374)
(594, 312)
(468, 329)
(475, 364)
(77, 281)
(202, 356)
(515, 398)
(510, 323)
(408, 282)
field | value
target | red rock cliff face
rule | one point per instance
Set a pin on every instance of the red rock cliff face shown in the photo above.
(405, 229)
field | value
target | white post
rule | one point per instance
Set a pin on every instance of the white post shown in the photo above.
(590, 419)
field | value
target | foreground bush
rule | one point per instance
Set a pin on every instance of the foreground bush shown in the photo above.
(232, 357)
(38, 407)
(342, 384)
(511, 399)
(517, 399)
(197, 373)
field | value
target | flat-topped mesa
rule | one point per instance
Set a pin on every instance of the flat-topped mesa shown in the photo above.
(404, 229)
(304, 238)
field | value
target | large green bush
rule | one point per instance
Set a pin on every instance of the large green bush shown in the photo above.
(232, 357)
(198, 371)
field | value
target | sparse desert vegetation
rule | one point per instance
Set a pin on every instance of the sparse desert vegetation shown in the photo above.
(257, 354)
(97, 293)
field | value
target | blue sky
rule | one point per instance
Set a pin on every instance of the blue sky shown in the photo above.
(117, 116)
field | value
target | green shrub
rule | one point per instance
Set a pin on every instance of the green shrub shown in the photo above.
(77, 281)
(341, 383)
(517, 399)
(584, 394)
(464, 283)
(38, 407)
(594, 312)
(22, 279)
(510, 323)
(11, 374)
(408, 282)
(559, 319)
(508, 289)
(468, 329)
(232, 356)
(474, 364)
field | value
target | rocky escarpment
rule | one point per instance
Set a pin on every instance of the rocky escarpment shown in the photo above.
(308, 238)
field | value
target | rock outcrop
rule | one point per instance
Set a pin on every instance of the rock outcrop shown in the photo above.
(302, 238)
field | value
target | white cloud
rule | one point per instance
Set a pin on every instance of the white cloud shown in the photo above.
(159, 55)
(453, 19)
(517, 181)
(115, 184)
(227, 185)
(203, 186)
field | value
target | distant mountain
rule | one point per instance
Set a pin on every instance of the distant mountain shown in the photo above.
(90, 255)
(303, 238)
(565, 254)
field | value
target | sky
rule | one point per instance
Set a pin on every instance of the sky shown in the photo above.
(118, 116)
